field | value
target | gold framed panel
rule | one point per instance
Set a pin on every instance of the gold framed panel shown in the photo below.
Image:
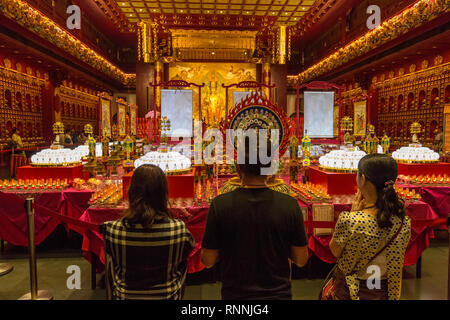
(360, 118)
(105, 117)
(121, 117)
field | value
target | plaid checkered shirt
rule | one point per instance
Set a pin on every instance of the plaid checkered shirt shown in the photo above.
(147, 263)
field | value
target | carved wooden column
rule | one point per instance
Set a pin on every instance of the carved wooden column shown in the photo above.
(145, 73)
(278, 74)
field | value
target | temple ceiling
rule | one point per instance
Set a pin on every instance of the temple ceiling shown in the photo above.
(217, 13)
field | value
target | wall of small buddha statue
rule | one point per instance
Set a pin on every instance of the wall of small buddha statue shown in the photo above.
(418, 92)
(21, 101)
(29, 103)
(76, 106)
(415, 91)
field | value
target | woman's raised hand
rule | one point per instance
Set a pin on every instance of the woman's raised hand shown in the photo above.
(359, 202)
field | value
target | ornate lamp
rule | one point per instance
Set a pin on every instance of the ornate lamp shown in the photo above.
(347, 127)
(371, 141)
(88, 130)
(306, 148)
(385, 143)
(58, 128)
(128, 146)
(415, 129)
(91, 164)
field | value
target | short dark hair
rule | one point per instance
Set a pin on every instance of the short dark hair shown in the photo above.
(254, 169)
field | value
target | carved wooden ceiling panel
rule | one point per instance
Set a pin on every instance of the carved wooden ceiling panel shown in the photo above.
(278, 12)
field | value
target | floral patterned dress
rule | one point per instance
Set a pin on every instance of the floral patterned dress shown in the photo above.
(361, 237)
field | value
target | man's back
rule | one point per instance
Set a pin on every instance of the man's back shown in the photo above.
(254, 230)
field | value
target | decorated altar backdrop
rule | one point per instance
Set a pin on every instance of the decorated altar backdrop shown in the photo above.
(213, 75)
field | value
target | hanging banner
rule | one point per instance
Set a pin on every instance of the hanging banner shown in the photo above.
(360, 118)
(133, 119)
(105, 116)
(121, 117)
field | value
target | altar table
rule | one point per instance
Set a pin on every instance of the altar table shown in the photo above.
(334, 182)
(412, 169)
(13, 219)
(180, 186)
(420, 235)
(194, 218)
(69, 173)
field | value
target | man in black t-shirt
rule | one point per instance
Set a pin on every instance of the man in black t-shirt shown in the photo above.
(254, 231)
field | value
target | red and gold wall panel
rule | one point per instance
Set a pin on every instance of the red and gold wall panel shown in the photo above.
(76, 107)
(416, 92)
(20, 102)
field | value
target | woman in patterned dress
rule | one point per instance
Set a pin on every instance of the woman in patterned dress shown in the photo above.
(377, 216)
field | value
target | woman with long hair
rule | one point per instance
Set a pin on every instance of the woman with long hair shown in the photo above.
(370, 241)
(147, 249)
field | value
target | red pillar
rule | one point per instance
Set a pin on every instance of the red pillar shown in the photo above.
(145, 73)
(278, 76)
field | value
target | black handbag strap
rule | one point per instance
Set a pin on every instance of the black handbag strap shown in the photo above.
(385, 246)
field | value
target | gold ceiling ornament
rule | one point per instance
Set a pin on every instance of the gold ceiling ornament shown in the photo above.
(212, 44)
(154, 42)
(425, 64)
(30, 18)
(421, 12)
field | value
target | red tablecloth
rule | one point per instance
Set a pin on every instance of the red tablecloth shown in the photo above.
(420, 235)
(438, 197)
(334, 182)
(13, 218)
(194, 218)
(423, 168)
(76, 202)
(180, 186)
(70, 173)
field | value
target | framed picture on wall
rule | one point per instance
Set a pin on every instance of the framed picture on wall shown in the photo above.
(360, 118)
(121, 117)
(105, 115)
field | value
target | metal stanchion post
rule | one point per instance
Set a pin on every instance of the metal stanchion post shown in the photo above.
(5, 268)
(34, 294)
(448, 285)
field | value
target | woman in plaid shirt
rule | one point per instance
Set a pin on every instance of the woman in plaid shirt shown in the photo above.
(146, 251)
